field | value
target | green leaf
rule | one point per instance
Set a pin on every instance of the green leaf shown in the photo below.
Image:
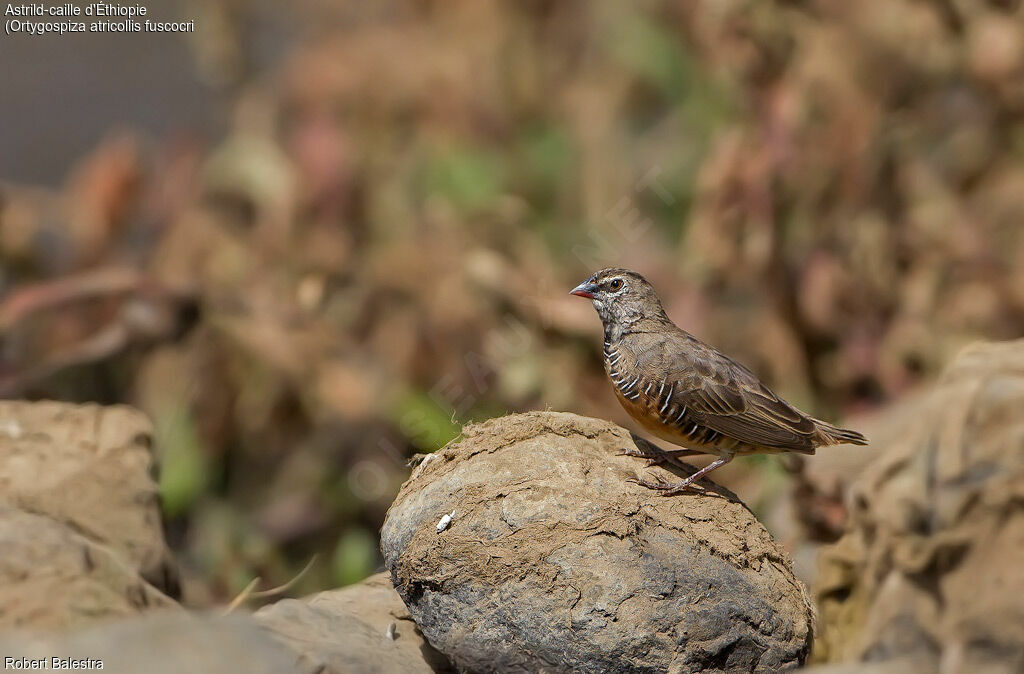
(355, 556)
(425, 422)
(184, 469)
(471, 178)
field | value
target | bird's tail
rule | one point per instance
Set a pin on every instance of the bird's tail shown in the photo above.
(832, 435)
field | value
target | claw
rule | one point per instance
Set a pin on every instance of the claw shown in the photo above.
(637, 452)
(653, 459)
(667, 488)
(659, 485)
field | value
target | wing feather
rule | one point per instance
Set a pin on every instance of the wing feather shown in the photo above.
(728, 398)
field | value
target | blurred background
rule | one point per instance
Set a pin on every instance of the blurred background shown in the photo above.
(312, 239)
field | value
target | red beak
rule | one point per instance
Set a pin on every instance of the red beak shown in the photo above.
(585, 289)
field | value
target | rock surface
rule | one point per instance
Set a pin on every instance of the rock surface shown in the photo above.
(90, 467)
(554, 562)
(362, 628)
(80, 526)
(163, 643)
(52, 577)
(931, 563)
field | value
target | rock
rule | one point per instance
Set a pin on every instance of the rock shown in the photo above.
(554, 562)
(362, 628)
(80, 523)
(930, 564)
(89, 467)
(163, 644)
(53, 577)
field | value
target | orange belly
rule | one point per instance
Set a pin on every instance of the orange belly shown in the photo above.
(644, 411)
(647, 416)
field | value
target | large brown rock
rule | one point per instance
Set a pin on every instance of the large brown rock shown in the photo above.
(930, 566)
(554, 562)
(80, 529)
(362, 628)
(53, 577)
(91, 468)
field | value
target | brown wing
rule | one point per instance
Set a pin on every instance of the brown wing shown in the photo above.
(725, 396)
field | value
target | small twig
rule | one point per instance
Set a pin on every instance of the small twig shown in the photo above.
(149, 312)
(103, 344)
(291, 583)
(242, 596)
(250, 590)
(27, 300)
(24, 301)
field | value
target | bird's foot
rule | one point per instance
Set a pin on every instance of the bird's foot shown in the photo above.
(667, 488)
(654, 457)
(670, 488)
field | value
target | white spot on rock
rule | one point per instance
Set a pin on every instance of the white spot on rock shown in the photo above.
(445, 522)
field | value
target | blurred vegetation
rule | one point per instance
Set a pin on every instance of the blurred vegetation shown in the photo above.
(380, 247)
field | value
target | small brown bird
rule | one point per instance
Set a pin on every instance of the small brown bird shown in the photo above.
(687, 392)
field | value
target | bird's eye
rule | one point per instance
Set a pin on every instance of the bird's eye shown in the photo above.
(616, 284)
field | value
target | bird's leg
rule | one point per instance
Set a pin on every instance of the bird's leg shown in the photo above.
(656, 455)
(684, 452)
(670, 488)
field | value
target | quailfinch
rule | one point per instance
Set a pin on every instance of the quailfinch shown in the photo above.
(687, 392)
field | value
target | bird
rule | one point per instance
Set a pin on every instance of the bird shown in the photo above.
(688, 393)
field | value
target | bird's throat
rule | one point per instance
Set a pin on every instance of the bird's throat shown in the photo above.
(617, 324)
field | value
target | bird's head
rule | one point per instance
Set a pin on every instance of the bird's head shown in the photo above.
(621, 298)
